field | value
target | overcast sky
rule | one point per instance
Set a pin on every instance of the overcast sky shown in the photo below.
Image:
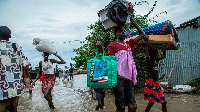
(67, 20)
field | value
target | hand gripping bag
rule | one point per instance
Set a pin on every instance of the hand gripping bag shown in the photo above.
(102, 71)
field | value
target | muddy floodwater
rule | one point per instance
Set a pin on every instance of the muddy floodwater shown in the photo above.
(74, 96)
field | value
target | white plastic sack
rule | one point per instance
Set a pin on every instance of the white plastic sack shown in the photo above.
(183, 88)
(43, 45)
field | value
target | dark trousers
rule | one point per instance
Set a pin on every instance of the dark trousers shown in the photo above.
(71, 75)
(123, 93)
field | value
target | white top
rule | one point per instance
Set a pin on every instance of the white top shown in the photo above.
(47, 67)
(65, 74)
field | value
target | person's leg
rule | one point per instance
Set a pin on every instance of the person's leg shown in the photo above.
(129, 96)
(119, 95)
(148, 108)
(63, 78)
(48, 97)
(70, 76)
(28, 84)
(48, 84)
(4, 105)
(98, 98)
(50, 94)
(99, 105)
(102, 98)
(102, 101)
(14, 104)
(164, 107)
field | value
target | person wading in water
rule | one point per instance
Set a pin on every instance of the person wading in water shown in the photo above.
(48, 82)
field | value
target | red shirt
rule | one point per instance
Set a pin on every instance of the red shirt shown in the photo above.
(25, 69)
(114, 47)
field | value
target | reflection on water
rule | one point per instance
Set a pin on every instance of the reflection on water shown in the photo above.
(68, 96)
(74, 96)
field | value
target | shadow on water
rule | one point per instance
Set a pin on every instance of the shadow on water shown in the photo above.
(74, 96)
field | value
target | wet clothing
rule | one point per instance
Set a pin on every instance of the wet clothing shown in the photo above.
(123, 93)
(48, 81)
(10, 68)
(127, 73)
(152, 88)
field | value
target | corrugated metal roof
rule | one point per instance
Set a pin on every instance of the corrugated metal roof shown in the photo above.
(193, 22)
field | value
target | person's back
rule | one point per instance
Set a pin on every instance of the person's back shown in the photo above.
(156, 94)
(10, 64)
(71, 70)
(56, 72)
(65, 74)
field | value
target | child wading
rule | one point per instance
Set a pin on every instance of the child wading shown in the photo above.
(152, 89)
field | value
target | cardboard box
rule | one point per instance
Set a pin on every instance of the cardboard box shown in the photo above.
(157, 39)
(154, 40)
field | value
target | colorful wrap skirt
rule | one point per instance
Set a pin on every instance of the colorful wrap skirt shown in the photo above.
(153, 91)
(48, 81)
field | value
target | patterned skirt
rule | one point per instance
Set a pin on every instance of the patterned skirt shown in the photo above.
(153, 91)
(48, 81)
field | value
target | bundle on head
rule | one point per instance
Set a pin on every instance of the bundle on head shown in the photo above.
(43, 45)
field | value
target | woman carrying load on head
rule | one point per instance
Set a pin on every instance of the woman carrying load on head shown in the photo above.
(48, 82)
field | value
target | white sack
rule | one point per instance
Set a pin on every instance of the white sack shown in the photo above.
(43, 45)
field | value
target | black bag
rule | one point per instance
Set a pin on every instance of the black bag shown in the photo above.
(118, 11)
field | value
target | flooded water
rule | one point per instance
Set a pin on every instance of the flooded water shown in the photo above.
(74, 96)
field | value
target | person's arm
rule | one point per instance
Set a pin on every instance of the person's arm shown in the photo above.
(27, 70)
(143, 35)
(99, 46)
(140, 31)
(59, 62)
(110, 49)
(39, 75)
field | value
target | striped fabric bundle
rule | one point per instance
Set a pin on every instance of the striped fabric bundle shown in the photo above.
(164, 28)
